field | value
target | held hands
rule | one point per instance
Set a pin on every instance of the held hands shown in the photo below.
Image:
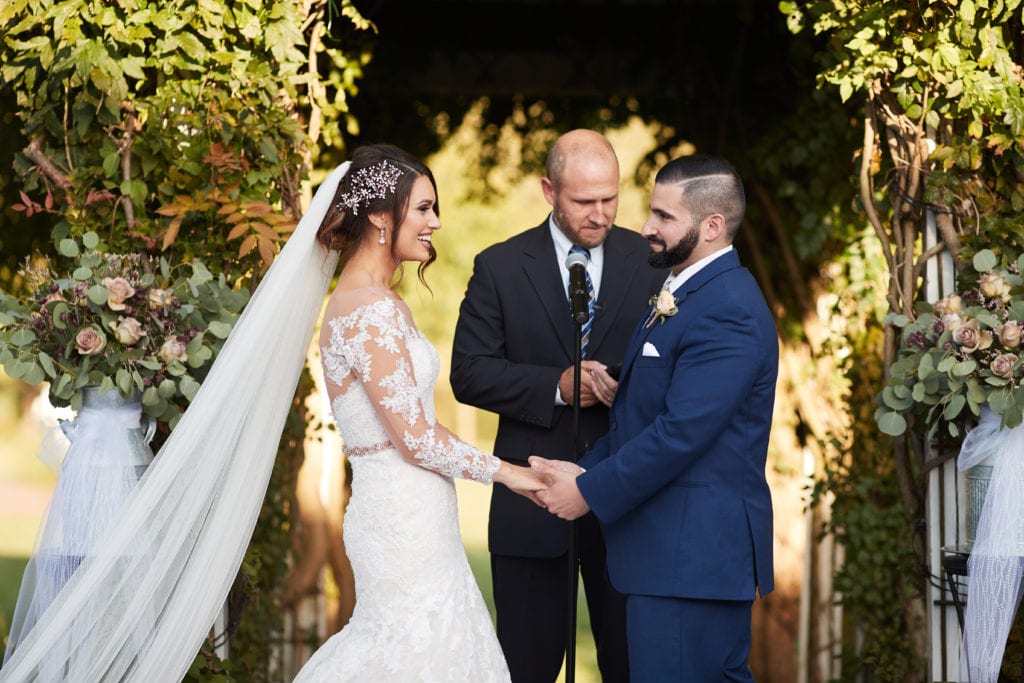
(522, 480)
(596, 385)
(561, 497)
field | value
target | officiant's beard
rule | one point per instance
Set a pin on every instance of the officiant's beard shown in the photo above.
(683, 249)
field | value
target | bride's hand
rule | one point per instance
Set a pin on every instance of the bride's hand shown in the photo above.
(522, 480)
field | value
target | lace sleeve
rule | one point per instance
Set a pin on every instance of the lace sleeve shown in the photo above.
(374, 345)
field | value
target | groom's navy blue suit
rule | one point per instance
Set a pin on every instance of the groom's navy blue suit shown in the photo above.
(678, 482)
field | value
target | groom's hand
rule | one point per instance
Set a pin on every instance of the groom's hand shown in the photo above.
(562, 497)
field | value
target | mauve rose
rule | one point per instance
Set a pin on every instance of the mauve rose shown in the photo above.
(994, 286)
(1009, 334)
(948, 304)
(1002, 365)
(128, 330)
(966, 336)
(119, 290)
(173, 349)
(89, 341)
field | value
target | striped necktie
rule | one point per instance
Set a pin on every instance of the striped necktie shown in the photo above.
(585, 329)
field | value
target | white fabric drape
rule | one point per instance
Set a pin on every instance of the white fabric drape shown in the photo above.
(996, 563)
(102, 467)
(143, 600)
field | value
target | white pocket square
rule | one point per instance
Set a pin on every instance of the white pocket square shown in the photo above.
(650, 351)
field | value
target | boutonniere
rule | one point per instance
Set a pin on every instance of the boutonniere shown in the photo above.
(664, 307)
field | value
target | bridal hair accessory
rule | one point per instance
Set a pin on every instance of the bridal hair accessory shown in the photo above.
(369, 183)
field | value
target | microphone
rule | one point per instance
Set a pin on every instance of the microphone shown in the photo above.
(576, 264)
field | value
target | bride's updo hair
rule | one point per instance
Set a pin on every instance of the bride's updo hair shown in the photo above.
(379, 180)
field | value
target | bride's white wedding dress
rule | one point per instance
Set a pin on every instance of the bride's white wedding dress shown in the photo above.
(419, 614)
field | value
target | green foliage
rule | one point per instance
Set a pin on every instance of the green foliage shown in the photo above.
(155, 126)
(117, 321)
(947, 67)
(943, 120)
(880, 572)
(959, 354)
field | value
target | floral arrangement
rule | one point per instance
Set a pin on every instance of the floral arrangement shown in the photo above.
(960, 354)
(116, 321)
(664, 307)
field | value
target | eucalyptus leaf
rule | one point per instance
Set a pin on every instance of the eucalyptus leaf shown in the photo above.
(984, 261)
(167, 388)
(964, 368)
(150, 397)
(23, 337)
(68, 247)
(98, 294)
(90, 240)
(189, 387)
(219, 329)
(124, 381)
(892, 423)
(58, 313)
(47, 364)
(33, 374)
(954, 407)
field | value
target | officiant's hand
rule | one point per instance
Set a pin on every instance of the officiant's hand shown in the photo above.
(562, 497)
(596, 385)
(522, 480)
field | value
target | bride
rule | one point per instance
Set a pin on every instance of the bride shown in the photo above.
(139, 607)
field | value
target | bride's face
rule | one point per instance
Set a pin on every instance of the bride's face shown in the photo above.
(420, 222)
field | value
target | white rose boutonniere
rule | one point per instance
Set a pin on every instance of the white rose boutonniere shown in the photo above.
(664, 307)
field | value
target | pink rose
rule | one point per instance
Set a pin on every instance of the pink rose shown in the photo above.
(119, 290)
(90, 341)
(173, 349)
(1002, 365)
(966, 336)
(128, 331)
(1009, 334)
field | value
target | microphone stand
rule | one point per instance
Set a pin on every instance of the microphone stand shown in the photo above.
(570, 643)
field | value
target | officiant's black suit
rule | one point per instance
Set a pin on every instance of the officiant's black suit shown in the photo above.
(514, 339)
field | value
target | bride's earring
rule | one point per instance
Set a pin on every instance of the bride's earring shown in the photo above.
(381, 240)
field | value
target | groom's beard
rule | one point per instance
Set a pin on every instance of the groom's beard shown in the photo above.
(667, 258)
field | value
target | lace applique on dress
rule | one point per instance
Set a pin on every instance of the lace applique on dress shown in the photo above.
(376, 348)
(401, 398)
(441, 457)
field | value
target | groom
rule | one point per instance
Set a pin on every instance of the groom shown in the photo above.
(678, 483)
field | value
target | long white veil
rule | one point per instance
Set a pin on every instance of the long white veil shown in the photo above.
(140, 605)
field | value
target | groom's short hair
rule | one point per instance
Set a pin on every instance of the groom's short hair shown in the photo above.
(708, 185)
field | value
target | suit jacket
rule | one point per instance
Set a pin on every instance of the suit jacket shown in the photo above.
(679, 480)
(514, 338)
